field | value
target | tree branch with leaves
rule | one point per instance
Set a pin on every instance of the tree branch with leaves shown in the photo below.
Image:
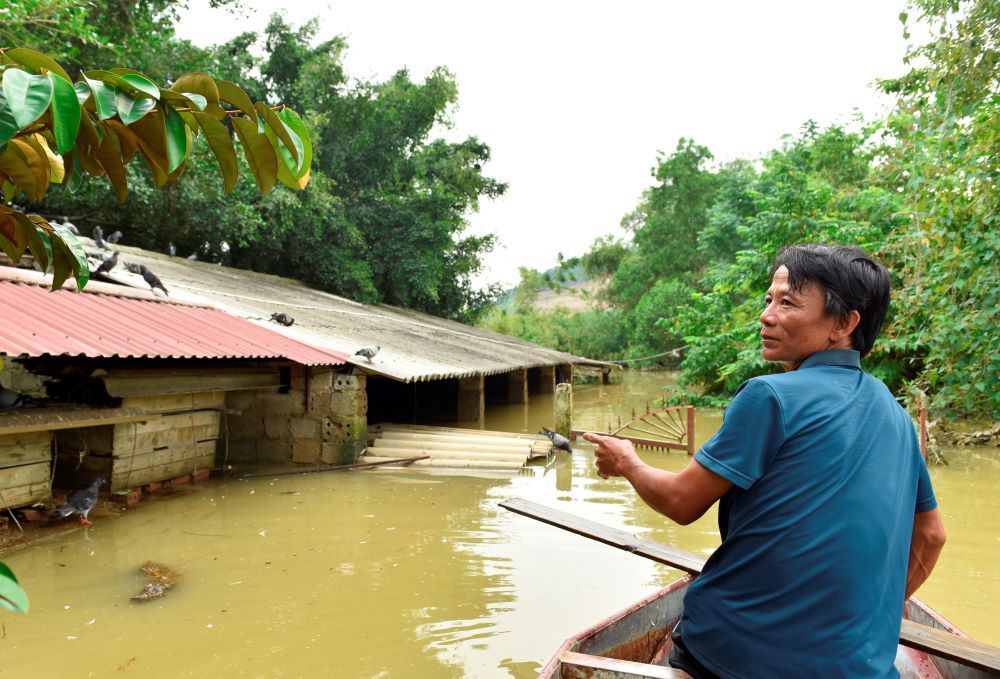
(56, 131)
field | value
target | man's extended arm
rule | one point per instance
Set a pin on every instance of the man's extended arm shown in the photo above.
(682, 497)
(925, 548)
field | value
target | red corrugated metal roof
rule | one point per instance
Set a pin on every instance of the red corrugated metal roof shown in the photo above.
(36, 322)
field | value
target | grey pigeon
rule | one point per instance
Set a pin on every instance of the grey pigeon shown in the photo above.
(114, 238)
(283, 318)
(147, 276)
(80, 502)
(368, 352)
(171, 249)
(71, 226)
(99, 238)
(151, 278)
(558, 440)
(108, 264)
(193, 255)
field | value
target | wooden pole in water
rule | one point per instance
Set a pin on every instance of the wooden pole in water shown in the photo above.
(564, 408)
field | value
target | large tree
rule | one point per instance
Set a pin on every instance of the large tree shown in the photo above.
(384, 218)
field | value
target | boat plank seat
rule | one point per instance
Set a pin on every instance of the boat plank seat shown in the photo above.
(959, 649)
(598, 667)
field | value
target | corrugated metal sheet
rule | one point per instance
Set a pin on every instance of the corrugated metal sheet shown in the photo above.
(36, 322)
(415, 346)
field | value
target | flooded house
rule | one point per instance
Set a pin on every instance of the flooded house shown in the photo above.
(424, 370)
(123, 384)
(236, 367)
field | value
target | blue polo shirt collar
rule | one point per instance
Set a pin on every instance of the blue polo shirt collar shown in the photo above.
(849, 358)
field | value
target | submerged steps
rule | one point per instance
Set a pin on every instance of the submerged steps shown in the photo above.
(452, 447)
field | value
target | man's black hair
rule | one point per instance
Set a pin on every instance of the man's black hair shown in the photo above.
(851, 279)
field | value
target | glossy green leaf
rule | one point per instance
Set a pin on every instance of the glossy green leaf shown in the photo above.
(37, 61)
(8, 191)
(295, 125)
(65, 113)
(259, 154)
(230, 92)
(12, 597)
(68, 258)
(138, 81)
(83, 92)
(74, 173)
(130, 109)
(38, 240)
(289, 139)
(28, 96)
(175, 135)
(221, 143)
(8, 126)
(199, 101)
(105, 97)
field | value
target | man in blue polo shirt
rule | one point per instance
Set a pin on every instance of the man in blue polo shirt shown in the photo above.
(827, 514)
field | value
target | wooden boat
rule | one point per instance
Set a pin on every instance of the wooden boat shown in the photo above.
(635, 642)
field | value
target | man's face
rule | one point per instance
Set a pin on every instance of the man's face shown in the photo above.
(794, 324)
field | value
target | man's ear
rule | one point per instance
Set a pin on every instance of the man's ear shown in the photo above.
(845, 325)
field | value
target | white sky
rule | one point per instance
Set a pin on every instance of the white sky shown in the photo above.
(576, 98)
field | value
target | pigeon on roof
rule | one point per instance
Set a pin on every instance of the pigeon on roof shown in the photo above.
(99, 238)
(114, 238)
(171, 249)
(368, 352)
(559, 441)
(283, 318)
(151, 278)
(108, 264)
(147, 276)
(81, 502)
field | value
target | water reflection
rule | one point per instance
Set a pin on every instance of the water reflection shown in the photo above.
(403, 574)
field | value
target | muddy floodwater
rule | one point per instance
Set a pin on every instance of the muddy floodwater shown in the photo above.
(384, 573)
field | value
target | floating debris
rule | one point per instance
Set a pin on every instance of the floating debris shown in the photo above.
(165, 576)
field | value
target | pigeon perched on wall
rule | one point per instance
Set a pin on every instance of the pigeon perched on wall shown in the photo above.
(108, 264)
(283, 318)
(71, 226)
(147, 276)
(368, 352)
(81, 502)
(171, 249)
(558, 440)
(114, 238)
(193, 256)
(99, 238)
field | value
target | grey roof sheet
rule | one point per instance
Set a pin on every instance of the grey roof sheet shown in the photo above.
(414, 346)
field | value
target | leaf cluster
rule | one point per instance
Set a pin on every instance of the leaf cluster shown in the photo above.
(56, 131)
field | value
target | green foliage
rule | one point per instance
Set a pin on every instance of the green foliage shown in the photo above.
(917, 190)
(384, 216)
(12, 597)
(106, 119)
(596, 333)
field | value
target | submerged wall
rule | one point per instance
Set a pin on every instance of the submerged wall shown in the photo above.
(317, 416)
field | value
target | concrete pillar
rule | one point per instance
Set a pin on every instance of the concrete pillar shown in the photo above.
(344, 430)
(471, 399)
(564, 408)
(517, 386)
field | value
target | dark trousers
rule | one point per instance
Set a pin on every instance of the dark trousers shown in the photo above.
(680, 658)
